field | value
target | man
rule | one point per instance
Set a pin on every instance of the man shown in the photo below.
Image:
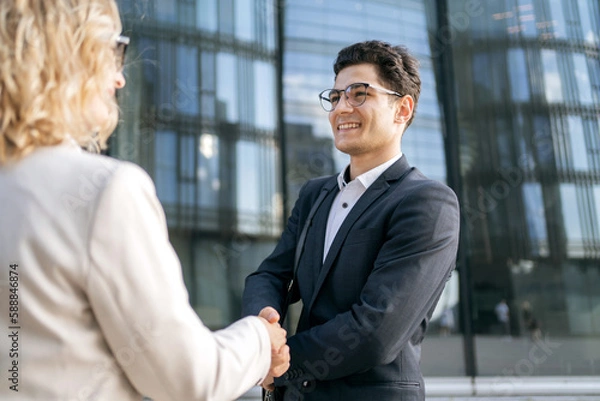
(503, 316)
(377, 253)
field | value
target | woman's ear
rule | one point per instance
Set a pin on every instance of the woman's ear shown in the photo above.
(404, 109)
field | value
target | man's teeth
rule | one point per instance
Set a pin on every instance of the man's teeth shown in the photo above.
(348, 126)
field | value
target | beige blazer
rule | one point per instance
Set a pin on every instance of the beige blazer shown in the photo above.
(102, 312)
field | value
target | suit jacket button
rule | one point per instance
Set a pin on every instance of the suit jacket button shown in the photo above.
(305, 383)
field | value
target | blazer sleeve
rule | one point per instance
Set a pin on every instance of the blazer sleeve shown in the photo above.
(407, 278)
(136, 290)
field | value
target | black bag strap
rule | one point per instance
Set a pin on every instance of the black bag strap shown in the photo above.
(300, 248)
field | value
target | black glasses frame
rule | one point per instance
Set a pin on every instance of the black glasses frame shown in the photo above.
(329, 105)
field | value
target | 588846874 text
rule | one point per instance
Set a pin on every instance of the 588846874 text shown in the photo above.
(14, 326)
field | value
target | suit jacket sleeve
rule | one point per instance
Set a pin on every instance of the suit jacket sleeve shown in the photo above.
(136, 291)
(407, 277)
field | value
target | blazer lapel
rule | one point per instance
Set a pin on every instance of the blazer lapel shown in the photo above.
(395, 172)
(311, 261)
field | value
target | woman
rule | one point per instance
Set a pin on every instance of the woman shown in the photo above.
(92, 301)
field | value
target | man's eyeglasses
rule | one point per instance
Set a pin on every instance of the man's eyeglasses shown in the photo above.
(122, 43)
(356, 94)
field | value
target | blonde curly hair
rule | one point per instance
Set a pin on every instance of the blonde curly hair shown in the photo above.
(55, 59)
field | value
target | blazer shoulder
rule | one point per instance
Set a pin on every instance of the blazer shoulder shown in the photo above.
(313, 186)
(418, 183)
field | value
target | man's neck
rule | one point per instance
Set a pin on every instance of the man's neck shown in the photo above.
(360, 164)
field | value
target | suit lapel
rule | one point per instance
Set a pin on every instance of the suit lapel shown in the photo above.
(395, 172)
(312, 259)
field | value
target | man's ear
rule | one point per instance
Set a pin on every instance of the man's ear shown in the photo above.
(404, 109)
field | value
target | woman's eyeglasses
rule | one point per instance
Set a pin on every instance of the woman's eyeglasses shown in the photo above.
(122, 43)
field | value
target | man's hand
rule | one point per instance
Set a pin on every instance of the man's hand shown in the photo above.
(270, 314)
(280, 352)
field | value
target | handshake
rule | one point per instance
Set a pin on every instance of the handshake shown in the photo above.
(280, 352)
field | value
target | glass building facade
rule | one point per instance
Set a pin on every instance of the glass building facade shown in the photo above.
(199, 114)
(519, 82)
(221, 109)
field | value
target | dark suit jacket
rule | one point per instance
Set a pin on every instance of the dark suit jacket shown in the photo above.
(366, 308)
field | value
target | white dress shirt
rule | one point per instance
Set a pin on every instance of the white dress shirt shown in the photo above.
(350, 193)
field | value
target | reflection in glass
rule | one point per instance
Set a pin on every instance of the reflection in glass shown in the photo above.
(443, 345)
(255, 190)
(187, 183)
(206, 14)
(557, 18)
(552, 78)
(527, 18)
(571, 220)
(576, 137)
(596, 203)
(209, 182)
(594, 65)
(165, 10)
(264, 96)
(581, 286)
(226, 17)
(582, 78)
(519, 78)
(211, 285)
(165, 164)
(185, 96)
(244, 19)
(208, 79)
(227, 88)
(586, 16)
(536, 218)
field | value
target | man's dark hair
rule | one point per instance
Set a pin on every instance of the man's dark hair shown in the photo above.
(396, 66)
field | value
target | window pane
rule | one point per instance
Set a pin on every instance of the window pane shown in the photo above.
(596, 202)
(244, 20)
(227, 88)
(526, 18)
(206, 14)
(582, 77)
(557, 17)
(248, 186)
(571, 222)
(576, 137)
(166, 78)
(519, 80)
(264, 96)
(536, 218)
(256, 189)
(208, 80)
(186, 160)
(585, 16)
(209, 183)
(165, 151)
(166, 10)
(552, 78)
(226, 17)
(186, 82)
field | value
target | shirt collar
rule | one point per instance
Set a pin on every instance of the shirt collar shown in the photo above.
(367, 178)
